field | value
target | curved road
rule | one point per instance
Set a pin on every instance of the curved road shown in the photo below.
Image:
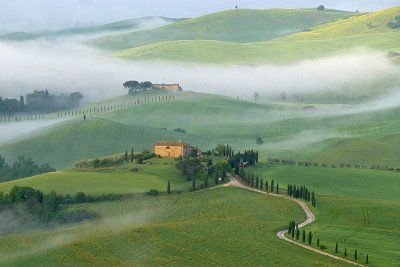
(306, 209)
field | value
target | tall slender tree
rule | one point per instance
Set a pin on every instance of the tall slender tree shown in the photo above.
(303, 236)
(355, 255)
(336, 248)
(277, 188)
(169, 187)
(309, 238)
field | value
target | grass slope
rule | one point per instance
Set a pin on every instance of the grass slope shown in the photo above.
(154, 174)
(214, 227)
(209, 120)
(356, 208)
(124, 25)
(242, 25)
(327, 39)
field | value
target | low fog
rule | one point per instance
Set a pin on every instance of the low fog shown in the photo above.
(14, 130)
(69, 66)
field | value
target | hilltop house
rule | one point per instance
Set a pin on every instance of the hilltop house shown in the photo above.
(176, 149)
(168, 87)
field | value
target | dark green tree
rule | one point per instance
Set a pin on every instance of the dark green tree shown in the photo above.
(266, 186)
(303, 236)
(277, 187)
(194, 184)
(336, 248)
(309, 238)
(169, 187)
(318, 242)
(126, 158)
(272, 185)
(297, 233)
(367, 259)
(345, 252)
(355, 255)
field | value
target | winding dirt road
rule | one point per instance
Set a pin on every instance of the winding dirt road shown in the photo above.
(307, 211)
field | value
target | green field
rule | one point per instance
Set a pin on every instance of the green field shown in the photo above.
(242, 25)
(327, 39)
(225, 226)
(370, 138)
(154, 174)
(356, 208)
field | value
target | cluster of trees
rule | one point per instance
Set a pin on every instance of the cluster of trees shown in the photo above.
(394, 24)
(189, 167)
(39, 101)
(135, 86)
(301, 192)
(321, 8)
(115, 160)
(326, 165)
(180, 130)
(23, 167)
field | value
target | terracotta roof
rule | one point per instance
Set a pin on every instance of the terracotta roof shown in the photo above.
(170, 143)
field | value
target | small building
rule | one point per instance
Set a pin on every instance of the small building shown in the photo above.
(175, 149)
(168, 87)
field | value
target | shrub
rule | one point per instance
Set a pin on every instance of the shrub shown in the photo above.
(153, 192)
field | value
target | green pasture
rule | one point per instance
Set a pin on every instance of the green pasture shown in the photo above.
(242, 25)
(153, 174)
(224, 226)
(355, 208)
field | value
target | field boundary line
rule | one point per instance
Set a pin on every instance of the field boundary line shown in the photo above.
(307, 211)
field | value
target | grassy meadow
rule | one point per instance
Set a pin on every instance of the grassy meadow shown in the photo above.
(367, 137)
(355, 207)
(365, 31)
(230, 226)
(153, 174)
(239, 26)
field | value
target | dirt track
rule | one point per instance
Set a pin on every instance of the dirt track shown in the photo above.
(307, 211)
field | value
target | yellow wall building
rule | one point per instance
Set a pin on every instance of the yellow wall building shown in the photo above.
(167, 149)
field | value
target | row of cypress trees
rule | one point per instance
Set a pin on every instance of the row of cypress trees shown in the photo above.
(294, 232)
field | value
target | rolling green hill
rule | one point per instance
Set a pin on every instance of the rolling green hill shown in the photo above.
(124, 25)
(211, 119)
(154, 174)
(326, 39)
(199, 228)
(355, 208)
(242, 25)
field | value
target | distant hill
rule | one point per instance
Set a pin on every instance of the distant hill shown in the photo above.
(124, 25)
(242, 25)
(326, 39)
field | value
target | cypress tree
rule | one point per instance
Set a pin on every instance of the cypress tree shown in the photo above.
(132, 155)
(318, 242)
(297, 233)
(293, 229)
(266, 186)
(345, 252)
(126, 156)
(313, 202)
(336, 248)
(272, 185)
(194, 184)
(277, 188)
(355, 255)
(169, 187)
(366, 259)
(261, 184)
(309, 238)
(303, 236)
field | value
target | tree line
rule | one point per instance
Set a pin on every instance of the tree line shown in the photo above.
(39, 101)
(80, 112)
(294, 232)
(290, 162)
(22, 167)
(135, 86)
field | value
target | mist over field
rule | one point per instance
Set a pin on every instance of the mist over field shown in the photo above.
(67, 65)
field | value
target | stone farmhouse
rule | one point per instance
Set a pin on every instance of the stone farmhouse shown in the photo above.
(168, 87)
(175, 149)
